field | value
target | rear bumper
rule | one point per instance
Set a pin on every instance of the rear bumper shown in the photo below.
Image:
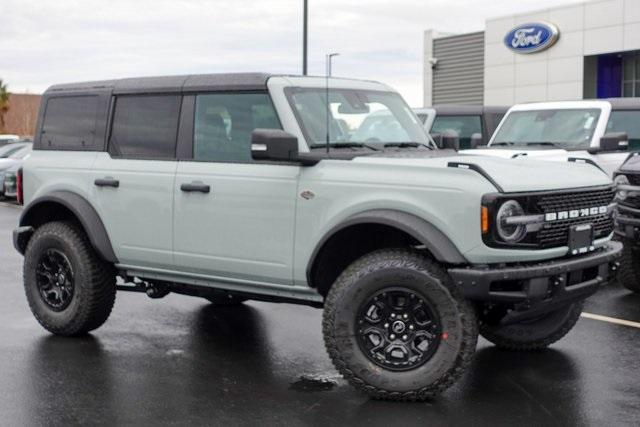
(537, 288)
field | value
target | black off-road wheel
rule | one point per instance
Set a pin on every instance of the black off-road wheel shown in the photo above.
(397, 328)
(629, 271)
(70, 290)
(531, 335)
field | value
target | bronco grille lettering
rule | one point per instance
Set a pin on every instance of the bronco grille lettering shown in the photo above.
(575, 213)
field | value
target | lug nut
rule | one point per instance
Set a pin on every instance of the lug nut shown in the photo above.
(411, 327)
(393, 315)
(392, 336)
(406, 316)
(404, 337)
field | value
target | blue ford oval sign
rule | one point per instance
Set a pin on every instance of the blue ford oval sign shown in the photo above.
(530, 38)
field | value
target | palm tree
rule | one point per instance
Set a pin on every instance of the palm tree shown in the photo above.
(4, 103)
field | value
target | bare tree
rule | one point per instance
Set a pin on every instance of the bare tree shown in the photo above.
(4, 103)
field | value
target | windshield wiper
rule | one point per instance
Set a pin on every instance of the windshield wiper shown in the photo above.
(346, 145)
(406, 145)
(551, 144)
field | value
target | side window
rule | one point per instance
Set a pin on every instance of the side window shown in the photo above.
(464, 126)
(145, 126)
(224, 122)
(70, 123)
(629, 122)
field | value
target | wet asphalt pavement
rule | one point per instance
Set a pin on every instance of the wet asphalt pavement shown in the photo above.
(181, 361)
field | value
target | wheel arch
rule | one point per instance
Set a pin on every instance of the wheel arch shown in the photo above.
(401, 224)
(64, 205)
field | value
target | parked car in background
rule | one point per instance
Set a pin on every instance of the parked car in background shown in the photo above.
(627, 229)
(14, 156)
(467, 121)
(8, 139)
(601, 131)
(8, 182)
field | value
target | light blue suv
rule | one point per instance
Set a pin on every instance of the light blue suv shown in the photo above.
(237, 187)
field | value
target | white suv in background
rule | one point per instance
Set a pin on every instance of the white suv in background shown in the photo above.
(601, 131)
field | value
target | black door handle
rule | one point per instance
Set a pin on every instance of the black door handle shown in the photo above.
(196, 187)
(107, 182)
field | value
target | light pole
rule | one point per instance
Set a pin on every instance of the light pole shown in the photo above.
(305, 38)
(329, 61)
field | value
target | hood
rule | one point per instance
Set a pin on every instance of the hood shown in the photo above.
(7, 163)
(632, 164)
(513, 175)
(511, 152)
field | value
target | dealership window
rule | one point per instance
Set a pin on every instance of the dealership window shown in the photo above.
(631, 76)
(224, 123)
(145, 126)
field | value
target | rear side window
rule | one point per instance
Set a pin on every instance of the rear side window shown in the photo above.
(70, 123)
(145, 126)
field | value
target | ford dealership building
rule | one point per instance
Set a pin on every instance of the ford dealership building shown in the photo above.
(586, 50)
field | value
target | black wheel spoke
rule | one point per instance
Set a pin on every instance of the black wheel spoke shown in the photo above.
(398, 329)
(54, 278)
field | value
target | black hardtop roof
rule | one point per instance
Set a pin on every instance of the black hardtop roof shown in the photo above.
(463, 109)
(624, 103)
(194, 82)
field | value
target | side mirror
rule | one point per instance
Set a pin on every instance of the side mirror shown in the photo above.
(450, 140)
(614, 141)
(476, 140)
(274, 144)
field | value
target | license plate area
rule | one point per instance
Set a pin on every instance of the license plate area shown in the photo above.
(581, 239)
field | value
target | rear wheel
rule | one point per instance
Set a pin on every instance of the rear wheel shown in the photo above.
(629, 271)
(70, 290)
(397, 328)
(534, 334)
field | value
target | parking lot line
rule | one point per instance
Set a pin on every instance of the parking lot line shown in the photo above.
(10, 205)
(611, 320)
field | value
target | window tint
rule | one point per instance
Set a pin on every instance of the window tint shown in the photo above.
(70, 122)
(145, 126)
(224, 123)
(464, 126)
(629, 122)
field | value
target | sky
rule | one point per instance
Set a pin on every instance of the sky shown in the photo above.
(43, 42)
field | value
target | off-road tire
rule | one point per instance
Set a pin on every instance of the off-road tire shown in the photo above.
(94, 280)
(222, 301)
(399, 267)
(629, 271)
(533, 335)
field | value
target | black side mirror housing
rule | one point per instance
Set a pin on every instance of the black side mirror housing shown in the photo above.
(476, 140)
(614, 141)
(274, 144)
(450, 140)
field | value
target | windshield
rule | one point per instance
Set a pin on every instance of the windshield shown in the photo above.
(8, 150)
(568, 129)
(356, 117)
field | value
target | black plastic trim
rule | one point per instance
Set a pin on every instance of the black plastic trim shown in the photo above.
(83, 211)
(424, 232)
(588, 161)
(478, 169)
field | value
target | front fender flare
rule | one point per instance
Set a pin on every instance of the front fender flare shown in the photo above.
(440, 246)
(83, 211)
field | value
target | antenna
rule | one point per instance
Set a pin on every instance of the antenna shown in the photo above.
(326, 86)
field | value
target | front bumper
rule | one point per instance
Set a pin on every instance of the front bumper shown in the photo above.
(537, 288)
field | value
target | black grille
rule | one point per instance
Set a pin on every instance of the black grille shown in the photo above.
(634, 179)
(633, 202)
(556, 233)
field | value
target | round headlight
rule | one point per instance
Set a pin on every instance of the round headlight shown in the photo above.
(508, 232)
(621, 180)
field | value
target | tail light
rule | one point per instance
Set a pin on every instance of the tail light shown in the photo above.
(19, 187)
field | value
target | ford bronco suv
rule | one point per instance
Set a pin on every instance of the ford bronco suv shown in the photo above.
(236, 187)
(599, 132)
(627, 221)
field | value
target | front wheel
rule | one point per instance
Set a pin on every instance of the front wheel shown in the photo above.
(70, 290)
(534, 334)
(629, 271)
(397, 328)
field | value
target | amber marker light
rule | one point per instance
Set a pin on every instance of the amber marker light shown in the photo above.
(484, 219)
